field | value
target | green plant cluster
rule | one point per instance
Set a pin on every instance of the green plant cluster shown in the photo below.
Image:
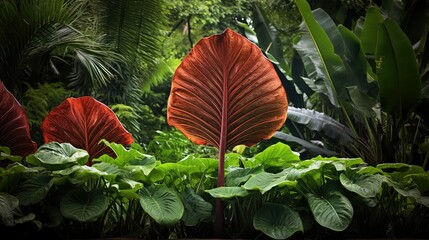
(356, 87)
(274, 193)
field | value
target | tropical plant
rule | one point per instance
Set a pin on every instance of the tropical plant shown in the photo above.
(84, 122)
(217, 98)
(14, 130)
(57, 192)
(47, 46)
(342, 103)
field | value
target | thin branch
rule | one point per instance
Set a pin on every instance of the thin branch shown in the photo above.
(175, 27)
(188, 21)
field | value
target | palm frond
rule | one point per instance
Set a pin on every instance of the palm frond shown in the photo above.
(134, 28)
(33, 44)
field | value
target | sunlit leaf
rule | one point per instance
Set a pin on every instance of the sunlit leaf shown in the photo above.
(226, 93)
(227, 192)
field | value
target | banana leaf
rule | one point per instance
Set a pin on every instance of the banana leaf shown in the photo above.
(321, 123)
(323, 65)
(397, 71)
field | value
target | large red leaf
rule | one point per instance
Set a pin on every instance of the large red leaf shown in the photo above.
(83, 122)
(14, 128)
(226, 92)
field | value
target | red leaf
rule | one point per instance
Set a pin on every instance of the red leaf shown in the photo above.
(83, 122)
(14, 128)
(226, 92)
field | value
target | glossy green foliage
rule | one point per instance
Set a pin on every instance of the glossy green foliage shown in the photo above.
(397, 71)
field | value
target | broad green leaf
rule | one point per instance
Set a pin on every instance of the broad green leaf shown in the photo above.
(403, 188)
(131, 159)
(422, 181)
(313, 148)
(145, 165)
(398, 74)
(355, 60)
(265, 181)
(79, 205)
(176, 168)
(321, 123)
(332, 209)
(397, 167)
(302, 169)
(5, 154)
(331, 65)
(56, 156)
(232, 160)
(200, 165)
(196, 208)
(8, 204)
(227, 192)
(423, 200)
(241, 175)
(276, 155)
(277, 221)
(128, 188)
(34, 189)
(162, 204)
(362, 101)
(347, 47)
(368, 36)
(365, 185)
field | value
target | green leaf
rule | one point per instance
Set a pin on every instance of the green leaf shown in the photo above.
(313, 148)
(398, 75)
(196, 208)
(227, 192)
(200, 165)
(368, 36)
(365, 185)
(268, 38)
(332, 209)
(162, 204)
(330, 65)
(57, 156)
(130, 158)
(79, 205)
(8, 204)
(362, 102)
(277, 221)
(265, 181)
(238, 176)
(128, 188)
(5, 154)
(321, 123)
(276, 155)
(34, 189)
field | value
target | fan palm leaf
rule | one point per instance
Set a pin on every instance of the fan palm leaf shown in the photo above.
(36, 44)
